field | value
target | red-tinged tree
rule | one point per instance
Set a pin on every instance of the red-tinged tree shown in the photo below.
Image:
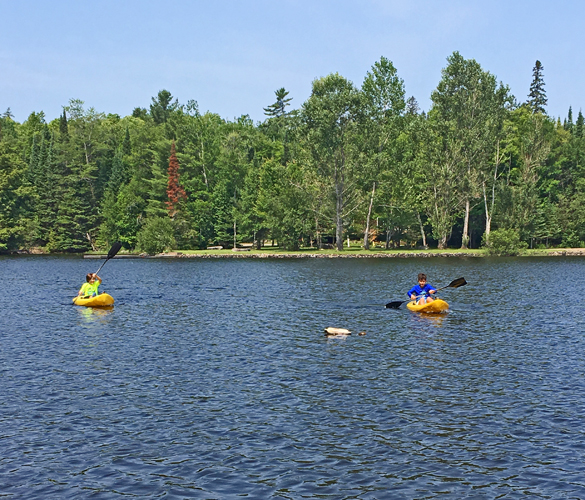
(175, 191)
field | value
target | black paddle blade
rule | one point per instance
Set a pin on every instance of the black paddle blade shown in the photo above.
(457, 283)
(114, 250)
(396, 304)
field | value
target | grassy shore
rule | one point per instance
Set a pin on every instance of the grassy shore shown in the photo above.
(354, 251)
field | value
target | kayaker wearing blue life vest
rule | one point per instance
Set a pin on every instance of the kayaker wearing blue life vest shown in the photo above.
(90, 288)
(423, 290)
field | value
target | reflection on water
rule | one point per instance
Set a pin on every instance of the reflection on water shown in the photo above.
(94, 313)
(215, 380)
(421, 320)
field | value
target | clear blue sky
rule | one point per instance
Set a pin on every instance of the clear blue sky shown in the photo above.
(231, 56)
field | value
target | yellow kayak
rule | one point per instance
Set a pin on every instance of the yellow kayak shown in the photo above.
(434, 307)
(101, 300)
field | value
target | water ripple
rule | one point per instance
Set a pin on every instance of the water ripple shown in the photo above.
(213, 379)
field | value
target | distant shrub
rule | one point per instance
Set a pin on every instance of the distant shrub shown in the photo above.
(504, 242)
(570, 239)
(156, 236)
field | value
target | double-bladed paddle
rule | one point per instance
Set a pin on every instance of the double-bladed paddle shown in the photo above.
(454, 284)
(112, 253)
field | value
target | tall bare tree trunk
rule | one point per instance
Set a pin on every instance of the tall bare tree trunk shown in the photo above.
(489, 208)
(422, 231)
(367, 233)
(339, 205)
(88, 236)
(317, 234)
(339, 221)
(443, 242)
(389, 233)
(202, 156)
(488, 214)
(465, 237)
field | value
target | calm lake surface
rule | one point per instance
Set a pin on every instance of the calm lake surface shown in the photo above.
(213, 379)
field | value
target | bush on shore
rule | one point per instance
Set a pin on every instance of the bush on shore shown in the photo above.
(504, 242)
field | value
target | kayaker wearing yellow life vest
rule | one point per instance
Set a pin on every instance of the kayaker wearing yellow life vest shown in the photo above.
(90, 288)
(422, 290)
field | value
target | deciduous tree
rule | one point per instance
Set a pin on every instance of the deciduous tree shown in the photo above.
(330, 120)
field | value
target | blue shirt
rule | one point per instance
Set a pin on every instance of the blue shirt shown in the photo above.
(417, 290)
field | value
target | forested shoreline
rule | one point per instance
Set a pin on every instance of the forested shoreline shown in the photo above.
(363, 163)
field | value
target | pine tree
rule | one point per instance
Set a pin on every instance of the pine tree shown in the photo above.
(46, 184)
(412, 107)
(537, 97)
(141, 113)
(63, 127)
(175, 191)
(278, 108)
(162, 106)
(579, 125)
(568, 125)
(119, 174)
(33, 159)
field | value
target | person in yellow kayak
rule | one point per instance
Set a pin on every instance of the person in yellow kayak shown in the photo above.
(90, 288)
(423, 290)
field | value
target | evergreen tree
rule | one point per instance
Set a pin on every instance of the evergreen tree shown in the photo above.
(63, 127)
(141, 113)
(537, 97)
(156, 197)
(175, 191)
(46, 185)
(579, 125)
(118, 175)
(412, 107)
(33, 159)
(15, 193)
(568, 125)
(161, 106)
(278, 108)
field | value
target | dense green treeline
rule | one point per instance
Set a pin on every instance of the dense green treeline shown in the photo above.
(351, 162)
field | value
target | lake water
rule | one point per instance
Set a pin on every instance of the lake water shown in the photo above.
(213, 379)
